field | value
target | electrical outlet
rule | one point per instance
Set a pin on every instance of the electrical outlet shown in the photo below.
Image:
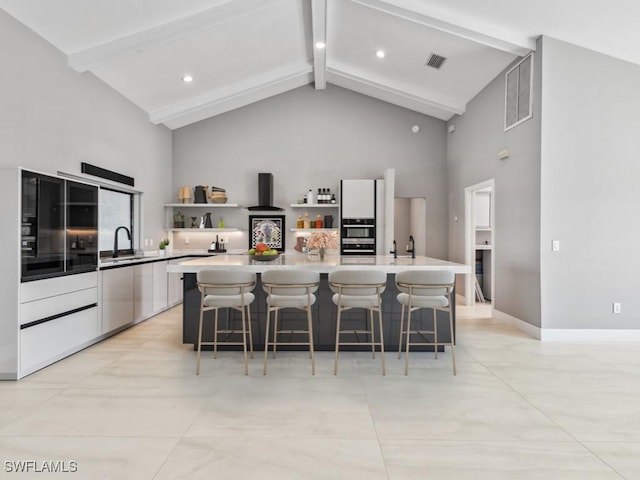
(617, 307)
(187, 240)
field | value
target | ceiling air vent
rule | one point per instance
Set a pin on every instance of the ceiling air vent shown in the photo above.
(435, 60)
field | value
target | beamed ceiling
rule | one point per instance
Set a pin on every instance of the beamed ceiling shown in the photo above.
(242, 51)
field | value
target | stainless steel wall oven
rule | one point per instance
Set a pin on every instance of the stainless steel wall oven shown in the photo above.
(358, 236)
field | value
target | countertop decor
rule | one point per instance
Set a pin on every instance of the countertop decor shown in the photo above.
(323, 241)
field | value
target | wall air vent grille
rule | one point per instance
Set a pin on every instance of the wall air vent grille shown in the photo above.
(519, 93)
(435, 61)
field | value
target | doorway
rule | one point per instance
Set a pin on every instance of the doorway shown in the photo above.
(480, 242)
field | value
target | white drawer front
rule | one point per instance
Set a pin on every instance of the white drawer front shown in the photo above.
(43, 344)
(50, 287)
(47, 307)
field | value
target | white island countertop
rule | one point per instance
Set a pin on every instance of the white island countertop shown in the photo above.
(331, 263)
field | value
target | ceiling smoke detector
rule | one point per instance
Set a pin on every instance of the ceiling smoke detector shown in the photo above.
(435, 61)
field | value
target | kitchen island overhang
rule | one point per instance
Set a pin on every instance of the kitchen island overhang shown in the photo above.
(324, 314)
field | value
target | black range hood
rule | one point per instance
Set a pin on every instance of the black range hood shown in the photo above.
(265, 194)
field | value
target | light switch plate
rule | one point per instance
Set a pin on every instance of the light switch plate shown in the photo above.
(555, 245)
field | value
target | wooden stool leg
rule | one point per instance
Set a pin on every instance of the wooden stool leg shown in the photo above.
(275, 331)
(215, 334)
(310, 328)
(406, 350)
(401, 332)
(384, 370)
(250, 329)
(199, 337)
(335, 360)
(244, 341)
(435, 332)
(371, 335)
(453, 348)
(266, 339)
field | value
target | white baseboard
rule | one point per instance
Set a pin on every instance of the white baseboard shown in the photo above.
(569, 334)
(590, 335)
(521, 325)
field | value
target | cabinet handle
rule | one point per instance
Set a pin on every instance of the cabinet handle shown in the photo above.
(57, 315)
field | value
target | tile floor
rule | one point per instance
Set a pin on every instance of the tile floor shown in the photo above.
(131, 407)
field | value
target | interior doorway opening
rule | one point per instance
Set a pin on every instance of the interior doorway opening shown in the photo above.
(480, 245)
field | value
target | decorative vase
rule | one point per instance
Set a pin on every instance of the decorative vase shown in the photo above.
(322, 252)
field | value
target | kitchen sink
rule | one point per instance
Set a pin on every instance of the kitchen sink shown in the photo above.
(123, 259)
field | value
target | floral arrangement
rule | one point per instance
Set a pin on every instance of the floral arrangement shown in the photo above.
(323, 240)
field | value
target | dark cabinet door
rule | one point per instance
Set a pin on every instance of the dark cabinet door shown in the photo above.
(82, 227)
(43, 233)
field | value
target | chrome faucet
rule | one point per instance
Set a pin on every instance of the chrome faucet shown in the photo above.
(395, 250)
(115, 239)
(411, 250)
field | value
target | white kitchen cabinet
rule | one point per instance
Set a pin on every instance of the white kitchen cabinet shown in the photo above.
(160, 285)
(58, 317)
(174, 287)
(117, 298)
(483, 210)
(358, 198)
(143, 291)
(45, 343)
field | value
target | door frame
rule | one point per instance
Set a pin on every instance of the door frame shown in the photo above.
(470, 239)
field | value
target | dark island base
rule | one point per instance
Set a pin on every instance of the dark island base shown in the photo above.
(324, 320)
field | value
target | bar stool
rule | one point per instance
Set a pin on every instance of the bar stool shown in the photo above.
(289, 289)
(226, 289)
(425, 289)
(358, 289)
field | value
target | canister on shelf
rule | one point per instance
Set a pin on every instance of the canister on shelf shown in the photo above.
(318, 221)
(307, 221)
(300, 222)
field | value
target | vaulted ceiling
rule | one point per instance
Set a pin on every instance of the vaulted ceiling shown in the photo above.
(242, 51)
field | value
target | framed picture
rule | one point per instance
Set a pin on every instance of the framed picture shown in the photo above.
(267, 229)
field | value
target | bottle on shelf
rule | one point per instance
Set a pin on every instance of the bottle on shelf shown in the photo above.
(307, 221)
(309, 197)
(333, 198)
(318, 221)
(319, 196)
(300, 222)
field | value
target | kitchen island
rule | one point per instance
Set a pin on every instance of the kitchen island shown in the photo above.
(324, 314)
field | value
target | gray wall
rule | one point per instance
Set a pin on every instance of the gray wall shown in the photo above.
(311, 138)
(472, 157)
(590, 199)
(52, 119)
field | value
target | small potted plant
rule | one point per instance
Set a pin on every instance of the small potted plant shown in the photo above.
(163, 245)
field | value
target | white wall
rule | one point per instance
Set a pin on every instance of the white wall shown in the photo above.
(472, 157)
(590, 200)
(52, 119)
(312, 138)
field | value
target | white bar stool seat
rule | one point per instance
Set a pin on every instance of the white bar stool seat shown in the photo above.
(289, 289)
(358, 289)
(425, 289)
(226, 289)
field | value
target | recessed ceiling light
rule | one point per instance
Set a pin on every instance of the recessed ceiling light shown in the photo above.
(320, 45)
(380, 53)
(187, 78)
